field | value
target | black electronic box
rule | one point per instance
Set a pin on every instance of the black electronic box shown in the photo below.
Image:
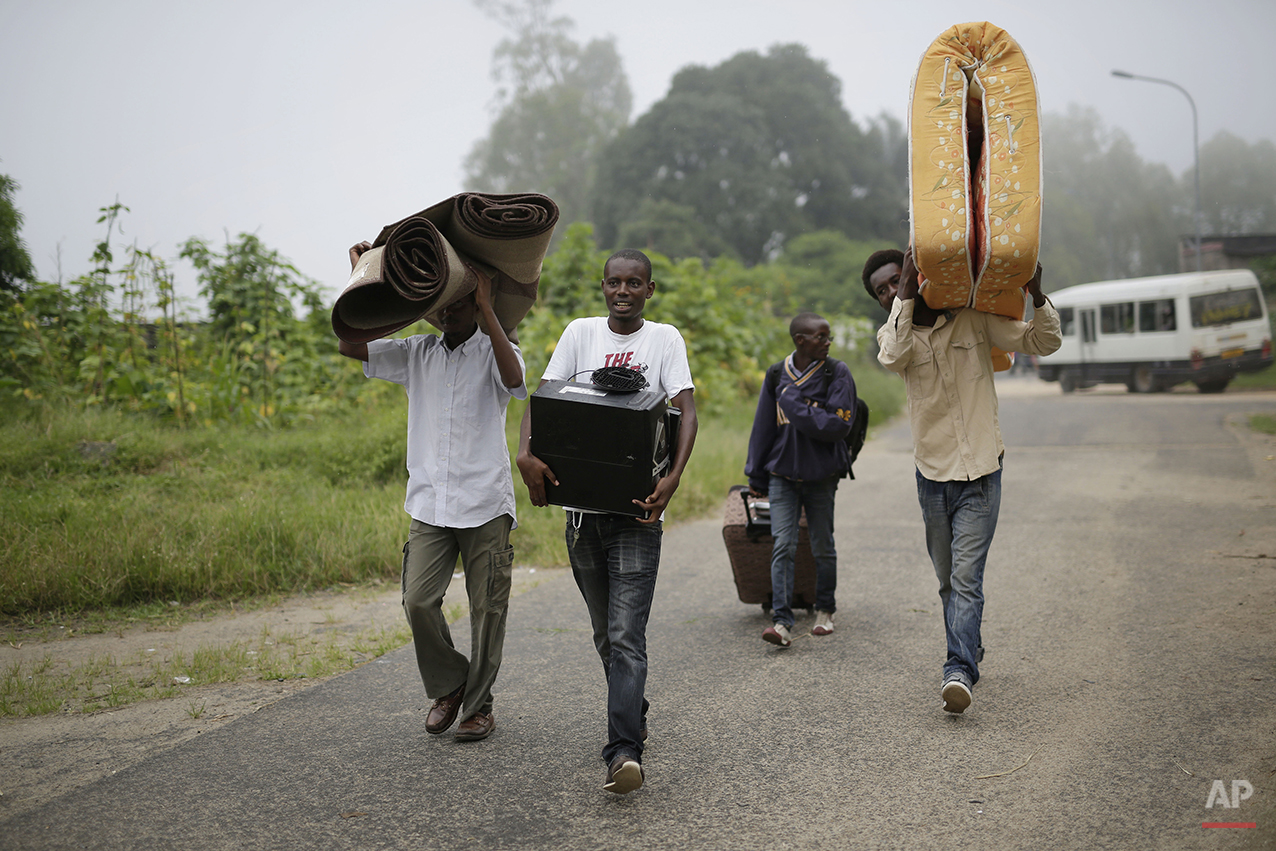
(606, 447)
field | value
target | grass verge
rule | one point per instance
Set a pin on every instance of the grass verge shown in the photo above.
(107, 512)
(1264, 379)
(107, 681)
(1263, 422)
(114, 522)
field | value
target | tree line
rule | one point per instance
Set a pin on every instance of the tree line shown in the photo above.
(753, 157)
(755, 190)
(266, 355)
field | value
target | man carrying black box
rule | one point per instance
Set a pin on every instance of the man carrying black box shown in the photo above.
(605, 443)
(615, 557)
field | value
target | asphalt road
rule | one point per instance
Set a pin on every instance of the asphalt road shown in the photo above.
(1131, 663)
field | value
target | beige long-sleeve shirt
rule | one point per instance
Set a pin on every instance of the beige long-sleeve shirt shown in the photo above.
(947, 370)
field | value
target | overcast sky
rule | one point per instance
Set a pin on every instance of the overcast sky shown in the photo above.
(313, 124)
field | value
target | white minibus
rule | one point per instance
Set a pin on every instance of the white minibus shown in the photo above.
(1153, 333)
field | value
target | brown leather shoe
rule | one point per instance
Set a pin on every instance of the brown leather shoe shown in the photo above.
(444, 710)
(624, 775)
(478, 726)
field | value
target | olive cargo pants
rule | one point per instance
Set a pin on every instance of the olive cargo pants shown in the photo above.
(429, 558)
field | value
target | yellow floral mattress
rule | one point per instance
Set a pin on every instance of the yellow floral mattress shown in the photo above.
(975, 171)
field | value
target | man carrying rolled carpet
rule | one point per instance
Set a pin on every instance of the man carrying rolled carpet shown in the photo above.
(945, 358)
(460, 495)
(615, 557)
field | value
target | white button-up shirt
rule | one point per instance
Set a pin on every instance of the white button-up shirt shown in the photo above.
(458, 461)
(947, 369)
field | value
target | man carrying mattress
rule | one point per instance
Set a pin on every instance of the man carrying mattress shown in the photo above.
(460, 495)
(946, 360)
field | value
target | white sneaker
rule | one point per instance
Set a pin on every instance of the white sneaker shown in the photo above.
(956, 695)
(777, 634)
(823, 623)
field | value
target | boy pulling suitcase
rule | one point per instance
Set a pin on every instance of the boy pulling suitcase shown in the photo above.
(797, 454)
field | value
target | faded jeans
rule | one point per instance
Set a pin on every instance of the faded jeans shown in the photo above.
(787, 500)
(614, 560)
(960, 519)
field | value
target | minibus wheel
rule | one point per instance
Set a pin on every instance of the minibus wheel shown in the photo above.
(1213, 385)
(1142, 380)
(1067, 383)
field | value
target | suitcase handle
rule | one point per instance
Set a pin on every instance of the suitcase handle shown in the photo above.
(753, 530)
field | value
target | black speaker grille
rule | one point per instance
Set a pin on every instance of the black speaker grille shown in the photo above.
(620, 378)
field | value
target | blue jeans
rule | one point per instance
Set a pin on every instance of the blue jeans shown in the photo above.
(960, 519)
(614, 561)
(787, 499)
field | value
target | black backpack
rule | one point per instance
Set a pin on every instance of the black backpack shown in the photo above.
(859, 426)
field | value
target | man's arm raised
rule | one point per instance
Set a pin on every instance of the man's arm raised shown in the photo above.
(506, 358)
(357, 351)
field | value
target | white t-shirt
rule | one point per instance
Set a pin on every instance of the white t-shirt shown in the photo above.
(588, 344)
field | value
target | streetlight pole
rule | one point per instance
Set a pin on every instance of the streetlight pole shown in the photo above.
(1196, 148)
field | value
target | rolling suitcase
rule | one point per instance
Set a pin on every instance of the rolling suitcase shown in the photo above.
(746, 531)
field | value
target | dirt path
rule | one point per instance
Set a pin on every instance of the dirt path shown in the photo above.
(45, 756)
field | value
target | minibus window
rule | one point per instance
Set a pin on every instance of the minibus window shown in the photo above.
(1117, 318)
(1157, 315)
(1067, 322)
(1088, 334)
(1225, 308)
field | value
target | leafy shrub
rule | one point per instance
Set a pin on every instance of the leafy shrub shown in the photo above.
(146, 458)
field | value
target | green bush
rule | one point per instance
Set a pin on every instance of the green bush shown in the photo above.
(232, 513)
(144, 461)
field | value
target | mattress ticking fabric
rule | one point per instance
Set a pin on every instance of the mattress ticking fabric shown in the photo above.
(975, 171)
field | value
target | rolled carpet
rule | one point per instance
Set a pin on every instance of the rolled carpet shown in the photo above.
(410, 271)
(507, 233)
(426, 261)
